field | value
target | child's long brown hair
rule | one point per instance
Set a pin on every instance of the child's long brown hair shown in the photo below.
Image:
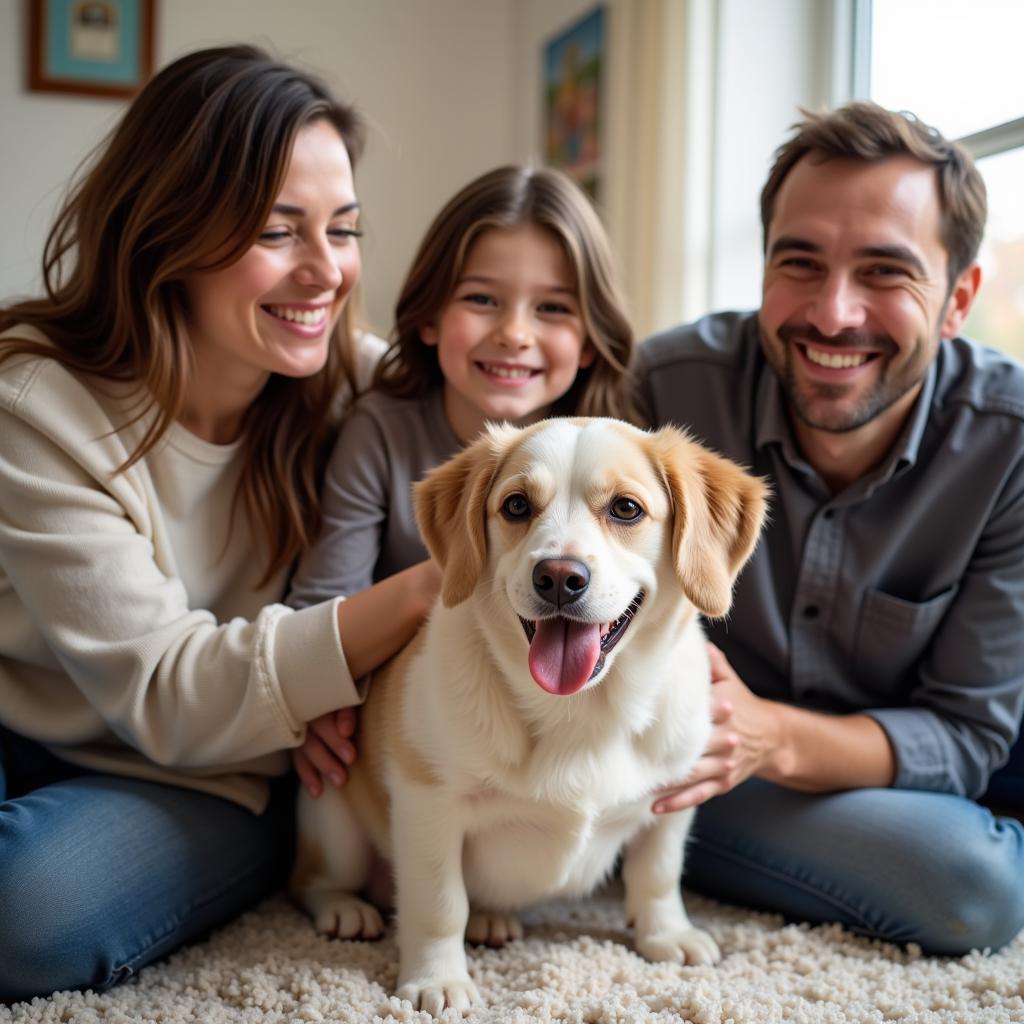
(510, 197)
(185, 183)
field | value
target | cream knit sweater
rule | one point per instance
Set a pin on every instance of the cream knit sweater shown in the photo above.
(133, 639)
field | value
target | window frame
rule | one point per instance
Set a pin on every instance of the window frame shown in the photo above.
(855, 34)
(856, 41)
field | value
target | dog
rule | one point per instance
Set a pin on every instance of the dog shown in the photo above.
(513, 750)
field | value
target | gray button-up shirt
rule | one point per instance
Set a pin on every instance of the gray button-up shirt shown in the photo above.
(901, 596)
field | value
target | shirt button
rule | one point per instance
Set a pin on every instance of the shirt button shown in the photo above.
(811, 611)
(829, 513)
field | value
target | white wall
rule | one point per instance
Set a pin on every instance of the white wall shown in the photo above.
(452, 88)
(435, 79)
(45, 136)
(772, 59)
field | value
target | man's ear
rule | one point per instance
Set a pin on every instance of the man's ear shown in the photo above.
(960, 300)
(451, 511)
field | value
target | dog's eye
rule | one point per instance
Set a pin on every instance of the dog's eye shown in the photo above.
(625, 510)
(515, 506)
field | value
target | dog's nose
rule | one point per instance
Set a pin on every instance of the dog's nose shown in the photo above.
(560, 581)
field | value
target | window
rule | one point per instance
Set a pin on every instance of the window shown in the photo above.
(958, 67)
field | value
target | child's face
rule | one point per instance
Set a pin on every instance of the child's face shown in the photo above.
(510, 340)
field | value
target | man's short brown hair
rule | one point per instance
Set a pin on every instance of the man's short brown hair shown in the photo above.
(868, 132)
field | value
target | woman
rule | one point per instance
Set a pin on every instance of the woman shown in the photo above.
(165, 412)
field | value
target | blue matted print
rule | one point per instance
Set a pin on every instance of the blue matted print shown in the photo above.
(112, 57)
(98, 47)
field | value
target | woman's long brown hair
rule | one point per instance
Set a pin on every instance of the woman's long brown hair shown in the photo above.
(185, 183)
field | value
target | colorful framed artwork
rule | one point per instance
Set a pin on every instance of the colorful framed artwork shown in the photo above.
(573, 63)
(90, 47)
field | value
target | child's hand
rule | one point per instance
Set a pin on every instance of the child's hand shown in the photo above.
(327, 751)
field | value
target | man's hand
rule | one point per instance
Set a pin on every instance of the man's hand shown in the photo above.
(809, 751)
(327, 750)
(743, 733)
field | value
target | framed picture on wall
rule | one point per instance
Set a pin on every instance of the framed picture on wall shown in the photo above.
(573, 63)
(90, 47)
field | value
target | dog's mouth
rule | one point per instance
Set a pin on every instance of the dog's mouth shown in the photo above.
(566, 654)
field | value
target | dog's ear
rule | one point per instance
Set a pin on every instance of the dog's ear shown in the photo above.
(450, 503)
(718, 513)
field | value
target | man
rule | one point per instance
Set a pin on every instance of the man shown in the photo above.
(870, 676)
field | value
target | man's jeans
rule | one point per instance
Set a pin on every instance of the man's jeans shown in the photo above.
(100, 875)
(902, 865)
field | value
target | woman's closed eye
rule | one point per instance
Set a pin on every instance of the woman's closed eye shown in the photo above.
(338, 235)
(344, 234)
(272, 235)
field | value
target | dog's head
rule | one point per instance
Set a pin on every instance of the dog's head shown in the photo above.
(580, 524)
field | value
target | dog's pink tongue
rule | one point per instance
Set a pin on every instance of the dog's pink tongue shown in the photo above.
(563, 654)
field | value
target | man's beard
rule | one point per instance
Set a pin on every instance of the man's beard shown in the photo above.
(822, 406)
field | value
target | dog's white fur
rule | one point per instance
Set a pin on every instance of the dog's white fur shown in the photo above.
(478, 785)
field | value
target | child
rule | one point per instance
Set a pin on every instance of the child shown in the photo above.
(510, 312)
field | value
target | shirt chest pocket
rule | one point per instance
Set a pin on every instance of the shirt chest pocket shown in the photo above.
(893, 634)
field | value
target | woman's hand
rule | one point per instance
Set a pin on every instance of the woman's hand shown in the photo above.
(374, 625)
(743, 727)
(327, 750)
(378, 622)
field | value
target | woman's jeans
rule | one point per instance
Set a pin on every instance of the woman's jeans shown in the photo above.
(902, 865)
(100, 874)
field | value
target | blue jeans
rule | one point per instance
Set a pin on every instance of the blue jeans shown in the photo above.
(100, 874)
(900, 865)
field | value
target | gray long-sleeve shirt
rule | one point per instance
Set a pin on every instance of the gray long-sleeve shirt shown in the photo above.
(902, 596)
(369, 531)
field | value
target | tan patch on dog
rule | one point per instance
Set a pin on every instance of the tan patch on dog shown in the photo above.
(718, 512)
(309, 863)
(384, 734)
(451, 512)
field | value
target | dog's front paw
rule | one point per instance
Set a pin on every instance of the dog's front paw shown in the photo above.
(438, 994)
(493, 927)
(346, 917)
(685, 946)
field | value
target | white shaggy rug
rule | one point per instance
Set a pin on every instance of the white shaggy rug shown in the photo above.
(575, 965)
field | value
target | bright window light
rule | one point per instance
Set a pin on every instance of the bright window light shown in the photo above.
(998, 315)
(958, 67)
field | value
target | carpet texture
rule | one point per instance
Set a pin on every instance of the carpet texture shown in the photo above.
(575, 965)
